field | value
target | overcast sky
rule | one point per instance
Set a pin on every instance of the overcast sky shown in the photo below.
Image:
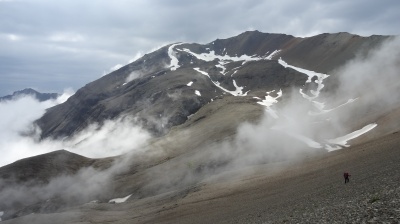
(52, 45)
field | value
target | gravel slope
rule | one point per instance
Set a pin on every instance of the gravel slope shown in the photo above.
(309, 191)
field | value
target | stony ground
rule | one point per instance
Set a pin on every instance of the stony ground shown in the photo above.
(309, 191)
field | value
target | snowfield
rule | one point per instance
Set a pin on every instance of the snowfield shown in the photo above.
(197, 93)
(174, 60)
(269, 101)
(237, 92)
(342, 141)
(119, 200)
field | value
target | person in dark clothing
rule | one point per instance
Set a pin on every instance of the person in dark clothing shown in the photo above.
(346, 176)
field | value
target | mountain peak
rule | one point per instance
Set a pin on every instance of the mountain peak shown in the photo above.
(30, 92)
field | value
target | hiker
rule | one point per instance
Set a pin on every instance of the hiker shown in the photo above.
(346, 176)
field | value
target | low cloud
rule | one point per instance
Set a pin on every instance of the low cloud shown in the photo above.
(17, 118)
(112, 138)
(134, 75)
(367, 90)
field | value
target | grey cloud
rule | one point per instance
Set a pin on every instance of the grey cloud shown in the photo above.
(111, 33)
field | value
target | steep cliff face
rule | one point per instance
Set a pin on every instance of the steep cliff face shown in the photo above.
(163, 88)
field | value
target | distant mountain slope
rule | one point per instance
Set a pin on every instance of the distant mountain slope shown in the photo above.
(163, 88)
(30, 92)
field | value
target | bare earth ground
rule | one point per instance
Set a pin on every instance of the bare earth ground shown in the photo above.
(311, 191)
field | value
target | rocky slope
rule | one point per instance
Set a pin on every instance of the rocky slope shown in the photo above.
(308, 191)
(155, 88)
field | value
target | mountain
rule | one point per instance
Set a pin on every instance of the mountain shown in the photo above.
(149, 87)
(30, 92)
(245, 130)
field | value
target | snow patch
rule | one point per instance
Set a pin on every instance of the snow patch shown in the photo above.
(197, 93)
(332, 148)
(174, 60)
(237, 92)
(1, 214)
(211, 56)
(189, 84)
(310, 74)
(225, 59)
(269, 101)
(342, 141)
(221, 65)
(269, 57)
(202, 72)
(119, 200)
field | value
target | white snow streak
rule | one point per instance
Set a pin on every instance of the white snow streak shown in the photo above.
(222, 59)
(310, 74)
(330, 148)
(119, 200)
(269, 101)
(197, 93)
(342, 141)
(174, 60)
(237, 92)
(211, 56)
(269, 57)
(225, 59)
(221, 65)
(202, 72)
(189, 84)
